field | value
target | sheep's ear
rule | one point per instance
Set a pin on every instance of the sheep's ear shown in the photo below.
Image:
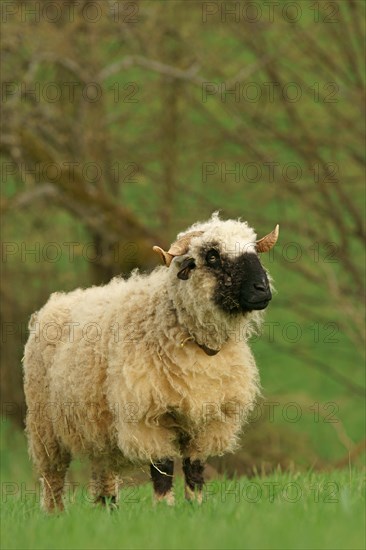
(164, 256)
(185, 267)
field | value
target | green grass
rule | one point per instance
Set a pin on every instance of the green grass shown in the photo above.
(307, 511)
(294, 510)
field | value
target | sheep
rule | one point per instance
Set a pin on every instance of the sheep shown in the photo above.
(149, 369)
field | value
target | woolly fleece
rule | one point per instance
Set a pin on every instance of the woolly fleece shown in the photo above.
(114, 372)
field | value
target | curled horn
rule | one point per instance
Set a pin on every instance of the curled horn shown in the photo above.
(165, 256)
(267, 242)
(178, 248)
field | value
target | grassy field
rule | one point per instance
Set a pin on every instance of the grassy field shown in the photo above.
(307, 511)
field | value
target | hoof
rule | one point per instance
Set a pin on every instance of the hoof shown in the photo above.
(107, 502)
(192, 496)
(168, 498)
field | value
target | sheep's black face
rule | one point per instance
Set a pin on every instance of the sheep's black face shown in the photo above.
(242, 283)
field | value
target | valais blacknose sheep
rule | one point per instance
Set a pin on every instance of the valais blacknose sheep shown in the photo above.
(149, 369)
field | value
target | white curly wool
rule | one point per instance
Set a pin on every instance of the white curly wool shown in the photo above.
(116, 373)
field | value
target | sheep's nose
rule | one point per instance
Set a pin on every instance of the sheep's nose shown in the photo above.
(263, 287)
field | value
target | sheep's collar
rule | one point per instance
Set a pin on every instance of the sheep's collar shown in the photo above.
(206, 349)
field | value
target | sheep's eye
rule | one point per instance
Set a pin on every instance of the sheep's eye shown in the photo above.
(213, 258)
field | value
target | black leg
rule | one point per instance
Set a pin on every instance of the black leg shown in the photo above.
(162, 478)
(193, 474)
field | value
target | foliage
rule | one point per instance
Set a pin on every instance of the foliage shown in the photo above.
(168, 146)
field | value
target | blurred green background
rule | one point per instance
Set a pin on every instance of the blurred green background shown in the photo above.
(125, 122)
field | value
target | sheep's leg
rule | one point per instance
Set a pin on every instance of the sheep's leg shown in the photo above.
(105, 487)
(53, 470)
(193, 475)
(50, 458)
(162, 478)
(52, 489)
